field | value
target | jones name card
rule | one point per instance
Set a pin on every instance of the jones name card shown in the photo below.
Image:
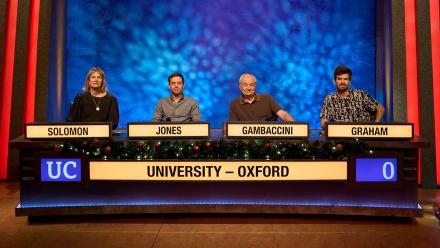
(154, 130)
(370, 131)
(56, 131)
(275, 130)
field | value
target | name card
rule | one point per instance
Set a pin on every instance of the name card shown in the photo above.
(275, 130)
(155, 130)
(370, 131)
(67, 130)
(218, 170)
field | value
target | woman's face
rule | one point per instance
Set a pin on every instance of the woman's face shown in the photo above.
(95, 81)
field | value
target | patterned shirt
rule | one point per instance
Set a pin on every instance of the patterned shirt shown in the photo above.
(358, 106)
(186, 109)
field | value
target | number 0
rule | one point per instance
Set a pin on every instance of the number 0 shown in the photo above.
(388, 173)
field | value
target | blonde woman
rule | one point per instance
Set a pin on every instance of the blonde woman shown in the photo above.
(95, 104)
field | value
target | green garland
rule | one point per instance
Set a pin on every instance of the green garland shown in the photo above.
(213, 149)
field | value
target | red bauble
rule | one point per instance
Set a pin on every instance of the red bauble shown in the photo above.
(108, 149)
(339, 147)
(267, 146)
(196, 149)
(156, 146)
(57, 147)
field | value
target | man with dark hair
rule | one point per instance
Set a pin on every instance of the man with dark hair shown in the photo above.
(255, 107)
(349, 105)
(177, 107)
(176, 74)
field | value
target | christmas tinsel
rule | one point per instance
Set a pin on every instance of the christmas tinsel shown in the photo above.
(257, 149)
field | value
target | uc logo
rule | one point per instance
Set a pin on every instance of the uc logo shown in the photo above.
(61, 170)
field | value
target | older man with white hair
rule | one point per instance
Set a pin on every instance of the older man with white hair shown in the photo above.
(255, 107)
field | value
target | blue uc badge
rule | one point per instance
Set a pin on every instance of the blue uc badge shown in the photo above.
(61, 170)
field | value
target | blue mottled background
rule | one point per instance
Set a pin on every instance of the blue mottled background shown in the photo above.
(291, 46)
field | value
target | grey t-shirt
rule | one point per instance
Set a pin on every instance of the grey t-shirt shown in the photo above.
(186, 109)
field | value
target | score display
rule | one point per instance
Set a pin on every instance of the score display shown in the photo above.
(376, 169)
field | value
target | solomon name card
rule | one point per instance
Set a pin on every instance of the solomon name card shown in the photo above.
(156, 130)
(71, 130)
(370, 131)
(274, 130)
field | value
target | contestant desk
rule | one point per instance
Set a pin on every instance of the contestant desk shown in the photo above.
(389, 188)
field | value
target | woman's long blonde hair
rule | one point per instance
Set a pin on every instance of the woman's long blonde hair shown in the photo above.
(103, 87)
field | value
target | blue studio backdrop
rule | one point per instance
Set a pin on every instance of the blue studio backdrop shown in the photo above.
(292, 47)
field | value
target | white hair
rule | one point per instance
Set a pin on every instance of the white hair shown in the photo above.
(247, 74)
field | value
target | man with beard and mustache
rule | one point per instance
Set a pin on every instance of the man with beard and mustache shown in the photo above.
(349, 105)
